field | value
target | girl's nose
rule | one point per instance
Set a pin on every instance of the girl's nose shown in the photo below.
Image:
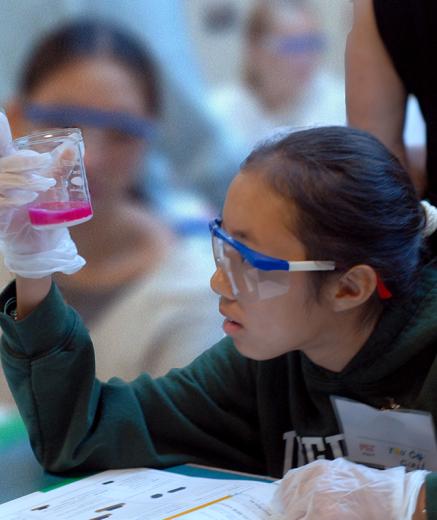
(220, 284)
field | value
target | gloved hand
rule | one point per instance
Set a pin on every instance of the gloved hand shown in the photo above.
(29, 252)
(339, 489)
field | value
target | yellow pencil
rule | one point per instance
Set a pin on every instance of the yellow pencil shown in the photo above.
(197, 508)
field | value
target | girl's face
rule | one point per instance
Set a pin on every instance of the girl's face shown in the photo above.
(264, 329)
(112, 159)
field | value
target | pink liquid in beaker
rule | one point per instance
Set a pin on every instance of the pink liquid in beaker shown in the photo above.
(59, 214)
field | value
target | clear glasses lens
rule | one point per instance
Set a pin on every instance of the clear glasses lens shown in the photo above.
(247, 282)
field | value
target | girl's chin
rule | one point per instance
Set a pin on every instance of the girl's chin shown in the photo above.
(247, 350)
(251, 350)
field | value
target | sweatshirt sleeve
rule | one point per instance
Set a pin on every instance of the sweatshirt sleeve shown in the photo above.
(204, 413)
(431, 496)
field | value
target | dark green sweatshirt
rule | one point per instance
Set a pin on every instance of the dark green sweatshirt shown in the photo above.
(221, 410)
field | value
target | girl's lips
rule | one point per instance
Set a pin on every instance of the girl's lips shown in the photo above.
(231, 327)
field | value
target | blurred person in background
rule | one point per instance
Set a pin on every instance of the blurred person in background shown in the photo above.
(285, 82)
(143, 286)
(383, 71)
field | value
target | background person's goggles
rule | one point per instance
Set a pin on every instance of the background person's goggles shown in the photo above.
(312, 42)
(253, 275)
(77, 116)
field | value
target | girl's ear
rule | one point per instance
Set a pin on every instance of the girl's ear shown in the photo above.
(17, 121)
(353, 288)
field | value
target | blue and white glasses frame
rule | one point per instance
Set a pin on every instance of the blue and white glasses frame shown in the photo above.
(253, 275)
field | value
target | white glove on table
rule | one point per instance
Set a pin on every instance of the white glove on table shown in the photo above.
(29, 252)
(339, 489)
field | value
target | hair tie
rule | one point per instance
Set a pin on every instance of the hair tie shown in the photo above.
(430, 218)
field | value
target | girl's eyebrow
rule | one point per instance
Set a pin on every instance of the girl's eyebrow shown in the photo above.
(238, 234)
(242, 235)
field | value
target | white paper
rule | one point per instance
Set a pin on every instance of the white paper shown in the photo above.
(387, 438)
(146, 493)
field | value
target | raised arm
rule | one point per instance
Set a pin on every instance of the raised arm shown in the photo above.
(30, 293)
(375, 95)
(76, 422)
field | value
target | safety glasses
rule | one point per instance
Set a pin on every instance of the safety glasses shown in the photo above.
(294, 45)
(253, 275)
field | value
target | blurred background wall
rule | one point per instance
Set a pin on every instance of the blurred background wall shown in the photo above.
(180, 30)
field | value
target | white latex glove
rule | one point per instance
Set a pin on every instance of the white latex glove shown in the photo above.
(29, 252)
(339, 489)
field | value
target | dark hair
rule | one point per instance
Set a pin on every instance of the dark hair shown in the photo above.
(88, 38)
(355, 202)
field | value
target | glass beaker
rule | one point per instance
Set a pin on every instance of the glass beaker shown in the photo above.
(67, 203)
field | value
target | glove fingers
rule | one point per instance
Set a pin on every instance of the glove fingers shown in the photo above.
(5, 136)
(14, 198)
(25, 160)
(19, 184)
(31, 182)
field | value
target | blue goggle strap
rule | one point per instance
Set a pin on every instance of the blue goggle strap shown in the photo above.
(71, 115)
